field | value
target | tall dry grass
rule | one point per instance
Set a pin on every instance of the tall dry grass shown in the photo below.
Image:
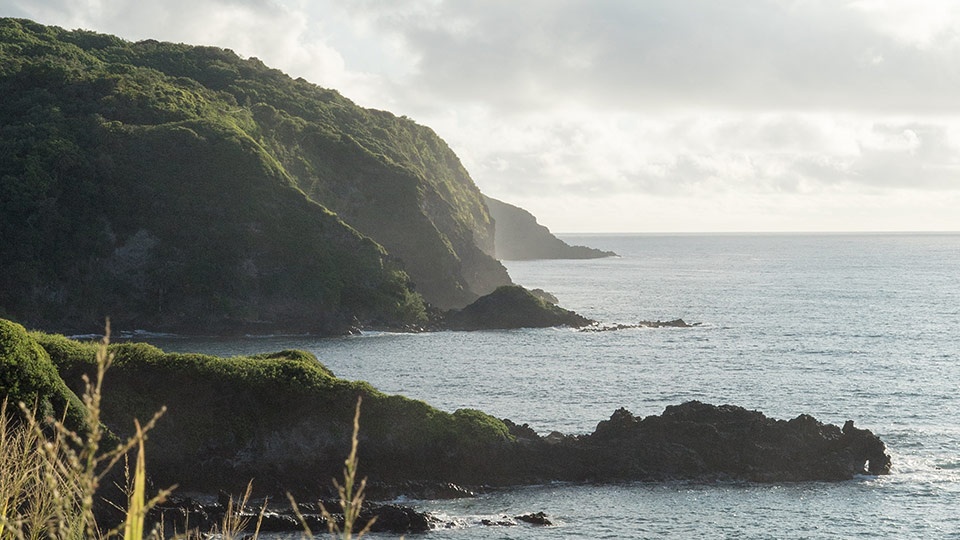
(50, 477)
(351, 495)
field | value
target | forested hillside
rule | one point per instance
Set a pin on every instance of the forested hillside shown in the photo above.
(173, 186)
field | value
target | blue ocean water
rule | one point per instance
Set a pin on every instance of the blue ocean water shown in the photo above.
(840, 326)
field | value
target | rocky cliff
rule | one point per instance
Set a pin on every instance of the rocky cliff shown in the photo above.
(180, 187)
(519, 237)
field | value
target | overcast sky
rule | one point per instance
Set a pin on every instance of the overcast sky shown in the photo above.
(632, 115)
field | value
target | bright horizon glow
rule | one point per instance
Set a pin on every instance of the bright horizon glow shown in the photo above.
(575, 235)
(605, 116)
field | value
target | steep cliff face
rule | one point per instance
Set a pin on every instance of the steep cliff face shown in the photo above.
(520, 237)
(129, 193)
(388, 177)
(180, 187)
(413, 196)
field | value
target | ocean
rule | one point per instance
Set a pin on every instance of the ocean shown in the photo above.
(863, 327)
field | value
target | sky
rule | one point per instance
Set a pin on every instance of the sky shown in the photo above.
(629, 115)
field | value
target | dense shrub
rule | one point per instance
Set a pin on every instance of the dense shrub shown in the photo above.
(28, 376)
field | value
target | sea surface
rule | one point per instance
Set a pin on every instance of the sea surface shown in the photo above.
(840, 326)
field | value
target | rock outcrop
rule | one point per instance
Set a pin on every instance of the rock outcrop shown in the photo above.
(512, 307)
(519, 237)
(285, 420)
(674, 323)
(697, 441)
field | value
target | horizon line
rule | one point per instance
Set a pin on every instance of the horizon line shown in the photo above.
(743, 233)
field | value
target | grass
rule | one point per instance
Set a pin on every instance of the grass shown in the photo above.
(52, 477)
(50, 474)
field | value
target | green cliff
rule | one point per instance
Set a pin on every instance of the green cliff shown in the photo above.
(281, 418)
(180, 187)
(521, 238)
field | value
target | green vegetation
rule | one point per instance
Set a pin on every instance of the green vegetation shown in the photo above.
(282, 416)
(51, 476)
(350, 495)
(28, 375)
(185, 188)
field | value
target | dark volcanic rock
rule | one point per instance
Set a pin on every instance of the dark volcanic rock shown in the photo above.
(701, 441)
(537, 518)
(504, 521)
(417, 490)
(693, 441)
(183, 513)
(675, 323)
(512, 307)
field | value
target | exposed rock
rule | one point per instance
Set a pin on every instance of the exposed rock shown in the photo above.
(537, 518)
(181, 514)
(697, 440)
(418, 490)
(675, 323)
(519, 237)
(512, 307)
(504, 521)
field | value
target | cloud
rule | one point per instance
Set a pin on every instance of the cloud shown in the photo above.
(679, 156)
(292, 36)
(777, 110)
(697, 54)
